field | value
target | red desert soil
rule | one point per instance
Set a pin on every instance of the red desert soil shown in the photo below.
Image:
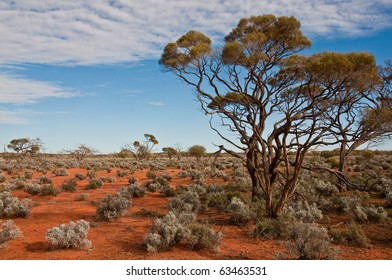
(123, 238)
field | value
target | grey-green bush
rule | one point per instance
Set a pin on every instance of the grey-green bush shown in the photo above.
(112, 207)
(94, 184)
(72, 235)
(69, 185)
(201, 236)
(9, 231)
(186, 202)
(11, 206)
(308, 241)
(240, 212)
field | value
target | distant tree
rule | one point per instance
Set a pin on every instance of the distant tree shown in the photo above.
(197, 151)
(81, 152)
(124, 153)
(170, 151)
(275, 104)
(179, 150)
(142, 150)
(23, 147)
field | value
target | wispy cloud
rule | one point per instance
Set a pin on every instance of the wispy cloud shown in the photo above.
(16, 117)
(15, 89)
(102, 31)
(156, 103)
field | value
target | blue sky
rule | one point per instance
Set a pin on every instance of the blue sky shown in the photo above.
(86, 72)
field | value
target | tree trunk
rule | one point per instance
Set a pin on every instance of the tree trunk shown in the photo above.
(342, 166)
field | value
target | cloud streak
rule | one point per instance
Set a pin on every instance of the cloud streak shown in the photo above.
(102, 32)
(15, 89)
(16, 117)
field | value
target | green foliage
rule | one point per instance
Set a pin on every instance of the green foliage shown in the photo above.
(197, 151)
(142, 150)
(170, 151)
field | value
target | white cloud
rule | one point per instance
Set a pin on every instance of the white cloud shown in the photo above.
(156, 103)
(101, 31)
(15, 117)
(16, 89)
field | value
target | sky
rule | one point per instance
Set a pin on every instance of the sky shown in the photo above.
(86, 72)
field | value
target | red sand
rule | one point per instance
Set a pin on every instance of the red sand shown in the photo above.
(123, 238)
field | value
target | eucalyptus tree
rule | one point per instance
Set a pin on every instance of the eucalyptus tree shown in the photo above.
(276, 102)
(142, 149)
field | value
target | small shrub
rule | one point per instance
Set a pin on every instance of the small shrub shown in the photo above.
(370, 214)
(201, 236)
(72, 235)
(108, 179)
(304, 212)
(61, 172)
(91, 174)
(388, 199)
(80, 176)
(153, 187)
(167, 191)
(122, 173)
(186, 202)
(28, 174)
(271, 229)
(137, 190)
(219, 200)
(32, 189)
(2, 178)
(132, 180)
(308, 242)
(112, 207)
(170, 231)
(9, 231)
(240, 212)
(353, 235)
(82, 197)
(151, 175)
(344, 204)
(44, 180)
(49, 189)
(94, 184)
(154, 242)
(333, 162)
(11, 206)
(69, 185)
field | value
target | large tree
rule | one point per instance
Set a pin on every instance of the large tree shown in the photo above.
(358, 116)
(278, 103)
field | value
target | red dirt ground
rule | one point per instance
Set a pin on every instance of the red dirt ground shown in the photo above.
(123, 238)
